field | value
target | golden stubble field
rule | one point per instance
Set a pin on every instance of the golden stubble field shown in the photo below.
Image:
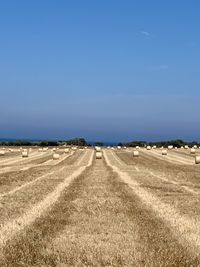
(115, 211)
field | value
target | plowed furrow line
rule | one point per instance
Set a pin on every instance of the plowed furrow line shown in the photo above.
(186, 175)
(82, 161)
(72, 160)
(12, 227)
(17, 200)
(29, 183)
(174, 159)
(173, 187)
(11, 181)
(146, 174)
(185, 153)
(21, 160)
(9, 155)
(185, 228)
(53, 162)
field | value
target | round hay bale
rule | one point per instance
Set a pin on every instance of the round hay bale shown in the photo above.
(136, 154)
(24, 154)
(170, 147)
(164, 152)
(192, 151)
(98, 148)
(99, 155)
(197, 160)
(74, 148)
(66, 150)
(186, 147)
(56, 156)
(40, 150)
(148, 148)
(2, 153)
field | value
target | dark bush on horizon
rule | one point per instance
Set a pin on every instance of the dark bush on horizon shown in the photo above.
(76, 142)
(136, 143)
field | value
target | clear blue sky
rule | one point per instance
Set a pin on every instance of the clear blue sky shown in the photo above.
(105, 70)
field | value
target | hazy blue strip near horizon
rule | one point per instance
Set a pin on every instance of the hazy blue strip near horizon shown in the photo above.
(129, 119)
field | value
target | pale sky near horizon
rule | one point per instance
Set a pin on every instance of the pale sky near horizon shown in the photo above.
(105, 70)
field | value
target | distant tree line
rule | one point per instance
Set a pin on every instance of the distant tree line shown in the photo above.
(74, 142)
(82, 142)
(175, 143)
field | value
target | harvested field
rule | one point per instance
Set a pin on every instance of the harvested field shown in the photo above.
(114, 211)
(186, 152)
(173, 157)
(9, 155)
